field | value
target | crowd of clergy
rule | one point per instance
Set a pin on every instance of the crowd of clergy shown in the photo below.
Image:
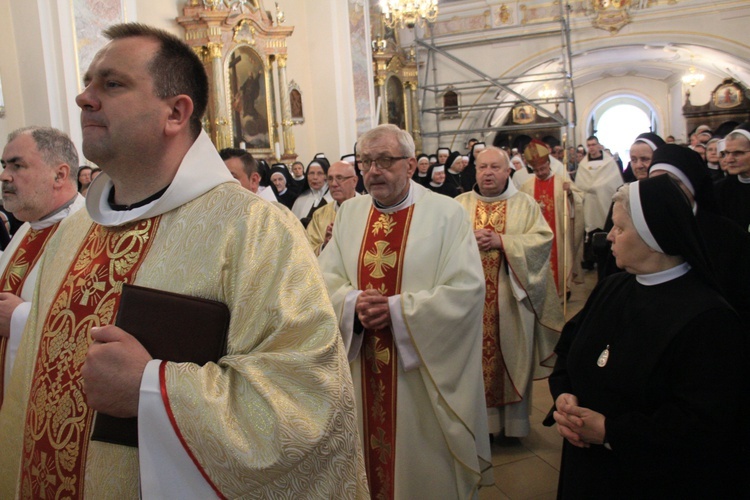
(448, 276)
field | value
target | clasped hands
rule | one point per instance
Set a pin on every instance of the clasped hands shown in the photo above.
(372, 310)
(487, 239)
(112, 372)
(580, 426)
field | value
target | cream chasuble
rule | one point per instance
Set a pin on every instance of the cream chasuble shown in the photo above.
(19, 265)
(529, 313)
(442, 445)
(550, 196)
(275, 416)
(598, 179)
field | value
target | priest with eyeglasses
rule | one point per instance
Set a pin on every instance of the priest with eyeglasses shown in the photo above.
(405, 278)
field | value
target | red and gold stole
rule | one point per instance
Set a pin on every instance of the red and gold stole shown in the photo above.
(58, 420)
(544, 194)
(381, 261)
(498, 388)
(24, 259)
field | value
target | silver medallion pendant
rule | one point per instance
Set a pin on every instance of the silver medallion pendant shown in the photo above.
(603, 358)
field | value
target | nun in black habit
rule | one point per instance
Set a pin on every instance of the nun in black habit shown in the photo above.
(280, 185)
(649, 380)
(437, 183)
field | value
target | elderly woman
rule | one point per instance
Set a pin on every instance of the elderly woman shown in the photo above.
(649, 379)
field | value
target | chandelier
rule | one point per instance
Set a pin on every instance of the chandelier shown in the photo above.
(408, 13)
(692, 77)
(547, 93)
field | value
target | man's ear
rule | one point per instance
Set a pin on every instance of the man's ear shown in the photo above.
(62, 174)
(181, 109)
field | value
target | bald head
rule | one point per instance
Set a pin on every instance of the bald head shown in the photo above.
(342, 181)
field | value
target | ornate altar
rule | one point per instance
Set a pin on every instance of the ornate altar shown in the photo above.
(729, 106)
(540, 127)
(245, 54)
(395, 72)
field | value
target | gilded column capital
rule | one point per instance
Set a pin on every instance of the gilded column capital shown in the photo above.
(200, 51)
(380, 81)
(281, 60)
(214, 50)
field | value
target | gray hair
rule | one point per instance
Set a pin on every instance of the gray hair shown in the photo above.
(622, 196)
(405, 141)
(54, 146)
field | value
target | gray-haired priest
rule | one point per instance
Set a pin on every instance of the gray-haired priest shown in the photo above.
(405, 278)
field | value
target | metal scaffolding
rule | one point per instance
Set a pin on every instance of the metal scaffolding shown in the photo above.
(438, 51)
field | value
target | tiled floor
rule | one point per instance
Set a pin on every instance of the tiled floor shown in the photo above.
(528, 468)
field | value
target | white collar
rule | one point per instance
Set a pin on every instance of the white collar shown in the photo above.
(436, 185)
(69, 208)
(663, 276)
(201, 170)
(453, 171)
(510, 190)
(743, 180)
(415, 193)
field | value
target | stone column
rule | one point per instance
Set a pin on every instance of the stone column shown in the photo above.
(286, 109)
(222, 133)
(380, 87)
(415, 130)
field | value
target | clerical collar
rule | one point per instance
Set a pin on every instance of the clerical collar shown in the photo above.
(600, 157)
(420, 174)
(510, 190)
(436, 185)
(298, 178)
(284, 191)
(72, 206)
(122, 208)
(405, 202)
(60, 208)
(713, 166)
(743, 180)
(663, 276)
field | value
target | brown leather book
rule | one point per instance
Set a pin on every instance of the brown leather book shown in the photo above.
(172, 327)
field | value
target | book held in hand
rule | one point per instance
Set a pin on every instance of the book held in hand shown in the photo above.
(172, 327)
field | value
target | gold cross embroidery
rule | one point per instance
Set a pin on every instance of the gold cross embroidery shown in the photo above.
(18, 269)
(379, 443)
(378, 355)
(380, 259)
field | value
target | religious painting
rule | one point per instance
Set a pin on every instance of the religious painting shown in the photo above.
(727, 95)
(450, 105)
(394, 92)
(524, 114)
(247, 90)
(295, 103)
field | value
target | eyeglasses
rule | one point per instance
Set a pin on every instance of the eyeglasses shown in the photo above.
(383, 163)
(735, 154)
(339, 178)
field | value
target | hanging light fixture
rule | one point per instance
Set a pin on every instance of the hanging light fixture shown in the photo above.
(692, 77)
(408, 13)
(547, 93)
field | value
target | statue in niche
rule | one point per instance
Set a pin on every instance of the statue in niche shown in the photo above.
(395, 102)
(249, 99)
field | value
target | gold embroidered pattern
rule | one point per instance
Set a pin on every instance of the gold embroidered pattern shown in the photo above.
(384, 222)
(379, 260)
(58, 420)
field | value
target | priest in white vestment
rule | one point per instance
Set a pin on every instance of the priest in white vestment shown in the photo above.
(522, 314)
(272, 417)
(598, 176)
(342, 182)
(405, 278)
(39, 178)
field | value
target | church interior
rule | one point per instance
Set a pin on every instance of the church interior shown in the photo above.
(318, 74)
